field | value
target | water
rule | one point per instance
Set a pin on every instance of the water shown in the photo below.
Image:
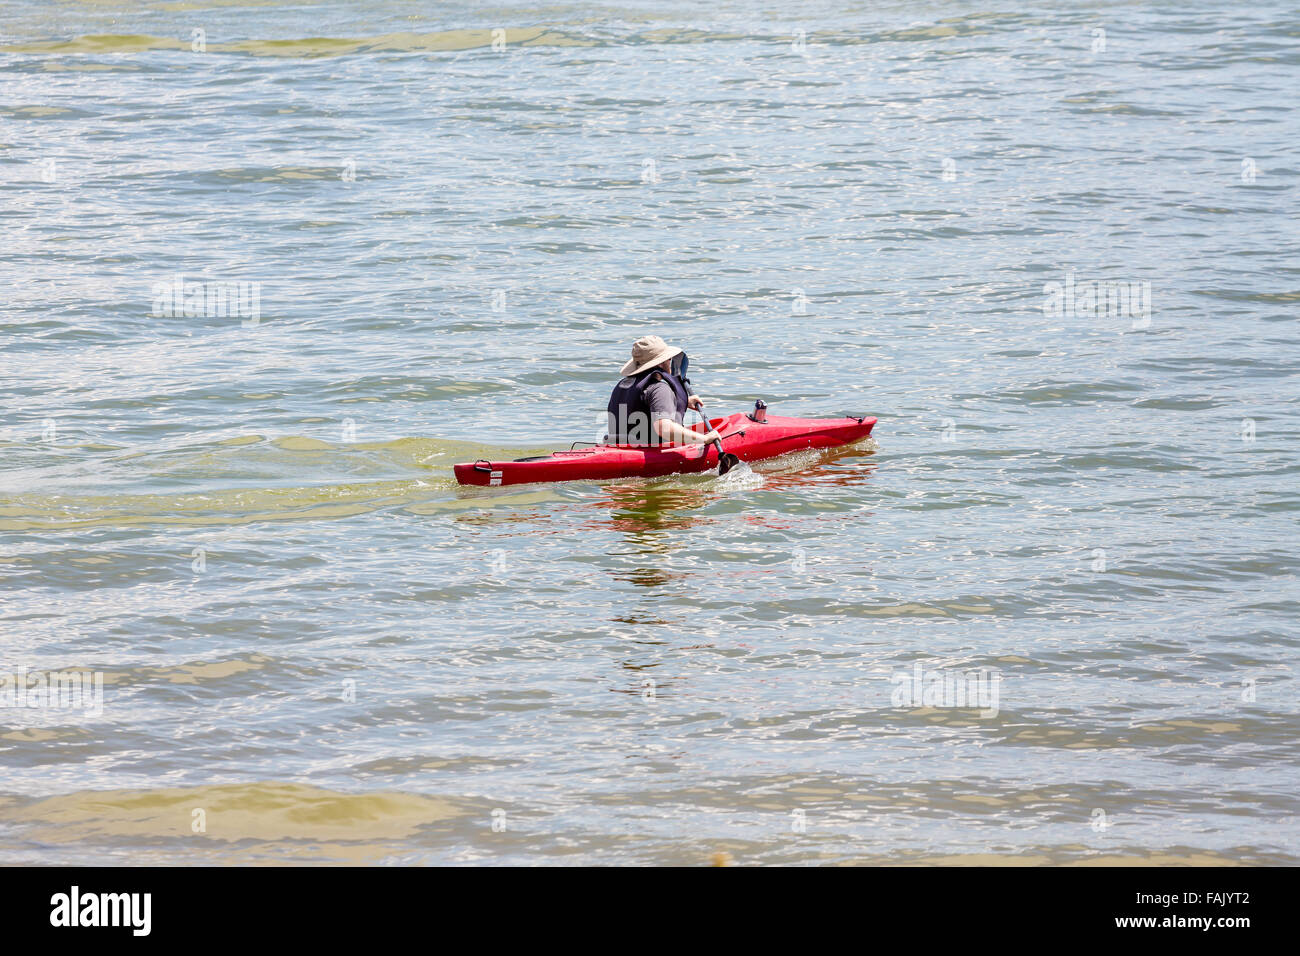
(307, 631)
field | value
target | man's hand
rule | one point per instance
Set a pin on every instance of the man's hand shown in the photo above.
(695, 402)
(711, 436)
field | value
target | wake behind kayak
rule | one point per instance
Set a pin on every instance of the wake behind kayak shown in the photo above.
(749, 437)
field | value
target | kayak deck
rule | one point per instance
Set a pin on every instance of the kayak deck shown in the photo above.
(743, 437)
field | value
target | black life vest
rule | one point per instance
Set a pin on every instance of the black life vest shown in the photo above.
(629, 411)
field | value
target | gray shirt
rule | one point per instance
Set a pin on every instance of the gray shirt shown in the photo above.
(663, 403)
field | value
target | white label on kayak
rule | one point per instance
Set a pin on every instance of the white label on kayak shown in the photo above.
(494, 481)
(496, 474)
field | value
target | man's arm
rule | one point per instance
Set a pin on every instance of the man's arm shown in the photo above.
(663, 414)
(669, 430)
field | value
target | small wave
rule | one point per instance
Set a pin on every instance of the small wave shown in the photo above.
(266, 813)
(446, 41)
(220, 507)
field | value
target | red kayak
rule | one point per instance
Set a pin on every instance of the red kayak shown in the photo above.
(742, 435)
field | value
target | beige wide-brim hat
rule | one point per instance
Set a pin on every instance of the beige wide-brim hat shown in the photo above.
(647, 353)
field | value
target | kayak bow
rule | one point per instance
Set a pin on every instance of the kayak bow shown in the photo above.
(745, 437)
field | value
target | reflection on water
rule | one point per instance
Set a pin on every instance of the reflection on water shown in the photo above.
(649, 515)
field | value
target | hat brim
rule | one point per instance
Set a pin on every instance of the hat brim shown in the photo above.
(632, 368)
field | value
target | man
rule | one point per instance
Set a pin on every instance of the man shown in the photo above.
(649, 403)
